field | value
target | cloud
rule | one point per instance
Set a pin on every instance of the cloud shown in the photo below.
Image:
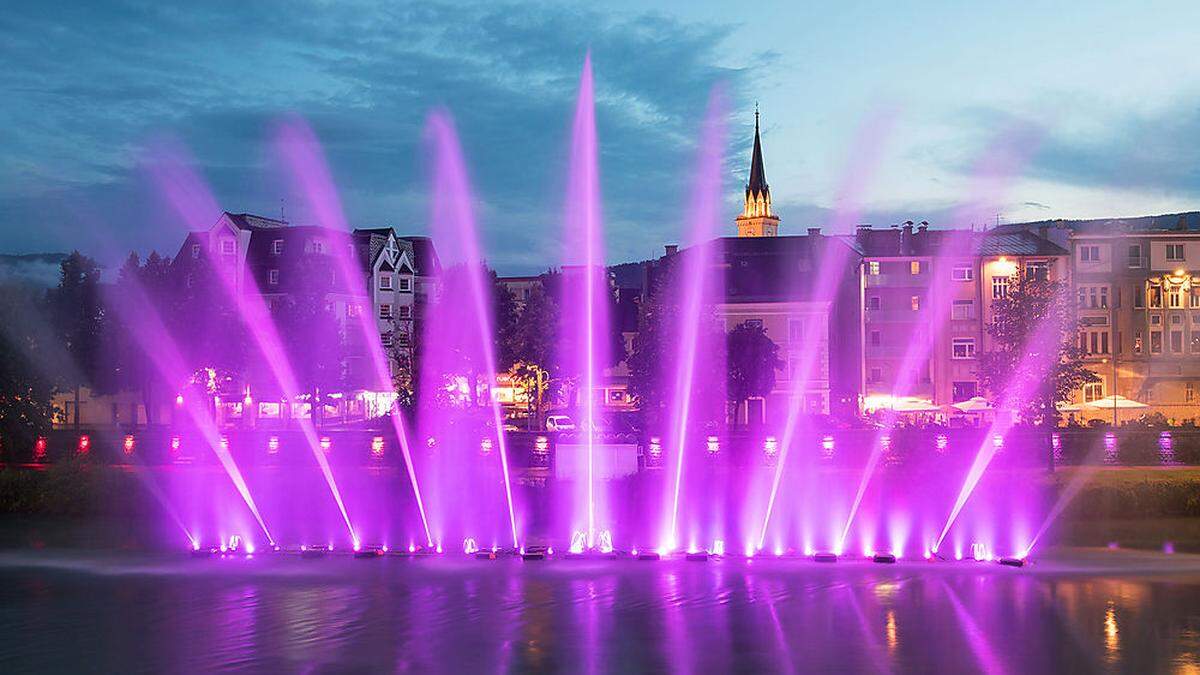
(364, 74)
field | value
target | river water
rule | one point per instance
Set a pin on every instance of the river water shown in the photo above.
(95, 610)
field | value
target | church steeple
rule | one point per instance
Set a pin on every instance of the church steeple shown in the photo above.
(757, 219)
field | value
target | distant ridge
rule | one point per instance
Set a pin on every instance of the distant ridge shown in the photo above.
(35, 269)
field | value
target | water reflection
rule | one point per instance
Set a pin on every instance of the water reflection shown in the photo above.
(100, 612)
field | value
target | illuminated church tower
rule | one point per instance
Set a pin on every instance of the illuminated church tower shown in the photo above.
(757, 219)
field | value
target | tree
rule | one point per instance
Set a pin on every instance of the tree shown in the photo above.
(751, 362)
(26, 386)
(1033, 362)
(311, 336)
(78, 313)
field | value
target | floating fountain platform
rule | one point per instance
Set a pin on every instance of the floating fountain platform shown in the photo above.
(1012, 562)
(825, 557)
(697, 556)
(884, 558)
(369, 552)
(314, 552)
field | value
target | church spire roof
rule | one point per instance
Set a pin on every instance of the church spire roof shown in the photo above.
(758, 177)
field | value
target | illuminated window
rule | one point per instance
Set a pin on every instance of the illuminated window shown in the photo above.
(1037, 271)
(1000, 287)
(1175, 252)
(277, 247)
(273, 277)
(1195, 301)
(873, 268)
(962, 273)
(914, 267)
(1156, 342)
(1189, 392)
(1195, 343)
(1137, 342)
(1093, 391)
(1154, 297)
(915, 301)
(318, 246)
(962, 348)
(1175, 298)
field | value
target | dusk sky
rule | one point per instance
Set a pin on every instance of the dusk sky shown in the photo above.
(883, 109)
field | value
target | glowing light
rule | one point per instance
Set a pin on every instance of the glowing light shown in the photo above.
(771, 446)
(713, 445)
(39, 448)
(439, 547)
(605, 541)
(1004, 267)
(249, 548)
(179, 399)
(273, 445)
(1110, 448)
(541, 445)
(578, 542)
(326, 444)
(356, 545)
(485, 447)
(127, 445)
(225, 443)
(718, 547)
(749, 550)
(85, 444)
(998, 441)
(195, 545)
(778, 551)
(431, 443)
(827, 447)
(377, 446)
(412, 548)
(469, 546)
(942, 442)
(175, 443)
(655, 447)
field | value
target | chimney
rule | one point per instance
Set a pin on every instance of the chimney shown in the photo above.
(814, 231)
(906, 238)
(861, 233)
(672, 249)
(924, 225)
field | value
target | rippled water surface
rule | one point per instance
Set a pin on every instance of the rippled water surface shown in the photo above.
(95, 611)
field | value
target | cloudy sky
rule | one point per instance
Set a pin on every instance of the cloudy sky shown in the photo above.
(872, 112)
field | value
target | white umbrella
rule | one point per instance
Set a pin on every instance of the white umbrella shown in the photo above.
(974, 404)
(1063, 406)
(1120, 402)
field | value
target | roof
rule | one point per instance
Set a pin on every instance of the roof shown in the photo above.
(249, 221)
(758, 176)
(425, 256)
(905, 242)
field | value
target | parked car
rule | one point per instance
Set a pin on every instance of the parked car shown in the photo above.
(559, 423)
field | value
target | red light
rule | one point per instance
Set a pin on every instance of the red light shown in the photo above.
(128, 445)
(85, 444)
(377, 446)
(39, 448)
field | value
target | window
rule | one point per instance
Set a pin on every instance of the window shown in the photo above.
(1037, 270)
(795, 330)
(1135, 256)
(1089, 253)
(1000, 287)
(1195, 301)
(1093, 391)
(405, 285)
(277, 247)
(404, 311)
(876, 375)
(273, 277)
(385, 282)
(353, 310)
(195, 251)
(875, 338)
(1156, 342)
(318, 246)
(962, 273)
(914, 267)
(873, 303)
(1139, 298)
(962, 310)
(1175, 252)
(385, 311)
(1156, 319)
(402, 338)
(963, 391)
(1137, 342)
(1093, 341)
(188, 280)
(962, 348)
(754, 323)
(1177, 341)
(916, 303)
(873, 268)
(386, 339)
(228, 247)
(1175, 298)
(1154, 297)
(1195, 342)
(1189, 392)
(1093, 297)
